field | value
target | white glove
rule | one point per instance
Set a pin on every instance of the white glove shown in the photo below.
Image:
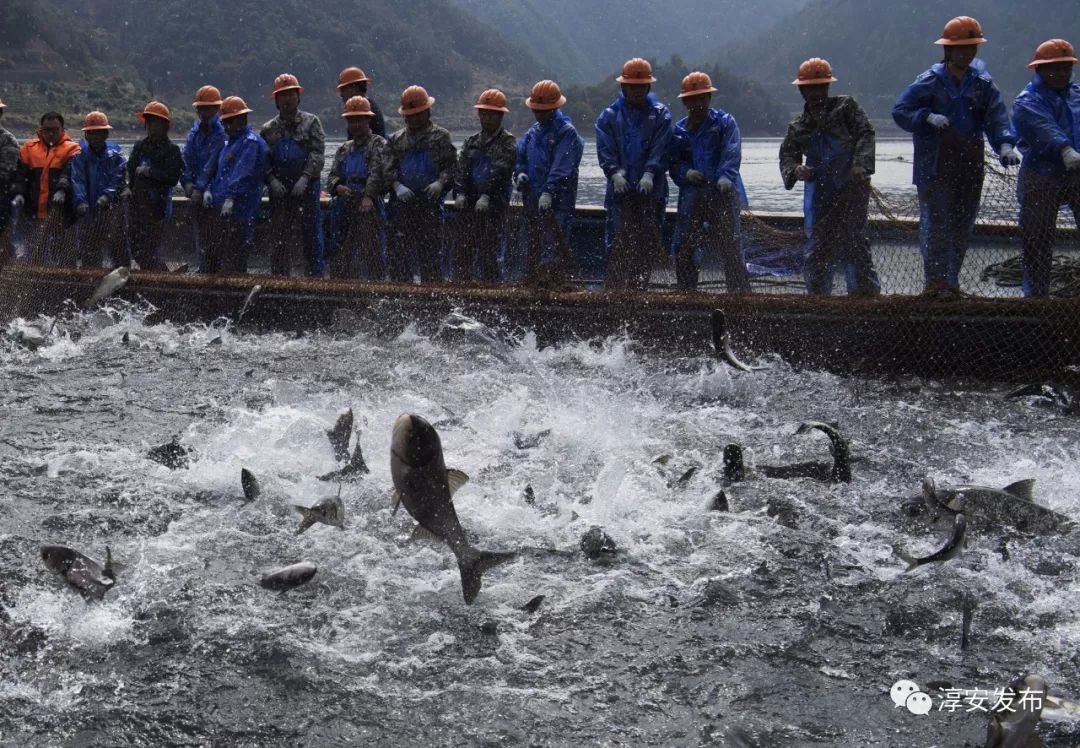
(300, 187)
(725, 185)
(483, 203)
(277, 189)
(695, 177)
(103, 202)
(59, 197)
(226, 207)
(618, 181)
(188, 189)
(545, 202)
(459, 202)
(17, 201)
(940, 121)
(521, 182)
(207, 199)
(1071, 158)
(82, 209)
(143, 170)
(404, 194)
(434, 190)
(1008, 155)
(644, 185)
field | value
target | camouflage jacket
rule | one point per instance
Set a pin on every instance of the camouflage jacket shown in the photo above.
(501, 152)
(9, 160)
(306, 130)
(843, 120)
(435, 139)
(378, 162)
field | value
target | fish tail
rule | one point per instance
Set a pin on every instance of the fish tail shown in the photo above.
(473, 564)
(306, 522)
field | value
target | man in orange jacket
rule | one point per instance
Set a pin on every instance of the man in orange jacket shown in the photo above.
(42, 178)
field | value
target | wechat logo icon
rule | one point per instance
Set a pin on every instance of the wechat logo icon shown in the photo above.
(907, 693)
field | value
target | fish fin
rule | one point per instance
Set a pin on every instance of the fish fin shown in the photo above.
(720, 502)
(306, 522)
(395, 501)
(1022, 489)
(455, 479)
(422, 533)
(473, 565)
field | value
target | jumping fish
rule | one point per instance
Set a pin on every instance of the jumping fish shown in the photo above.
(722, 343)
(82, 572)
(339, 435)
(353, 470)
(289, 577)
(250, 484)
(109, 285)
(248, 302)
(328, 511)
(1013, 505)
(950, 550)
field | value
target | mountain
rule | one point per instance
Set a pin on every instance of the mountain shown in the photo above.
(877, 48)
(580, 42)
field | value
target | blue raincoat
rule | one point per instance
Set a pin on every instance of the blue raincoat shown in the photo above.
(201, 149)
(240, 172)
(354, 173)
(1046, 121)
(288, 157)
(94, 175)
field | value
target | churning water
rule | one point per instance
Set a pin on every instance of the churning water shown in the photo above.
(783, 622)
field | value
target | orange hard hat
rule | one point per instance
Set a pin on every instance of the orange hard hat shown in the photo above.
(545, 95)
(696, 84)
(286, 82)
(1053, 50)
(207, 96)
(358, 106)
(233, 106)
(814, 72)
(414, 100)
(349, 76)
(155, 109)
(960, 31)
(637, 71)
(96, 121)
(493, 100)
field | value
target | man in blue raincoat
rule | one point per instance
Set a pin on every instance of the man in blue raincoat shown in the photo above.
(948, 109)
(204, 142)
(234, 192)
(633, 136)
(1046, 118)
(296, 141)
(838, 143)
(356, 184)
(422, 163)
(97, 179)
(706, 155)
(546, 174)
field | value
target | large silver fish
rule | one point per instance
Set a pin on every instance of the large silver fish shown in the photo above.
(288, 577)
(953, 548)
(82, 572)
(328, 511)
(1013, 505)
(109, 285)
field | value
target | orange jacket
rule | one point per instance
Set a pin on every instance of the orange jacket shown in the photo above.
(42, 171)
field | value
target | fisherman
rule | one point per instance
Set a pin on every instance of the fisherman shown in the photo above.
(1046, 118)
(354, 82)
(154, 169)
(633, 136)
(9, 161)
(234, 191)
(97, 179)
(837, 141)
(485, 166)
(706, 155)
(422, 163)
(356, 184)
(948, 109)
(546, 174)
(296, 144)
(42, 178)
(204, 141)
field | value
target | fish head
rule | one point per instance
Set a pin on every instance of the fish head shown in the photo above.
(415, 441)
(57, 557)
(734, 467)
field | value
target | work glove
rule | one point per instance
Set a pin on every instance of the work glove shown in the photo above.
(125, 195)
(59, 197)
(939, 121)
(1071, 158)
(434, 190)
(207, 199)
(725, 185)
(342, 191)
(459, 203)
(545, 202)
(521, 182)
(859, 174)
(188, 189)
(404, 194)
(103, 202)
(277, 189)
(804, 173)
(300, 187)
(483, 203)
(82, 209)
(618, 181)
(366, 204)
(695, 177)
(645, 185)
(226, 207)
(17, 201)
(1008, 155)
(143, 170)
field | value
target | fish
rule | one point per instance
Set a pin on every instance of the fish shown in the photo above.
(1015, 726)
(721, 340)
(424, 486)
(950, 550)
(109, 285)
(719, 502)
(597, 544)
(31, 337)
(172, 455)
(734, 464)
(737, 467)
(250, 484)
(289, 577)
(841, 450)
(353, 469)
(328, 511)
(1013, 506)
(125, 338)
(82, 572)
(340, 434)
(248, 302)
(533, 605)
